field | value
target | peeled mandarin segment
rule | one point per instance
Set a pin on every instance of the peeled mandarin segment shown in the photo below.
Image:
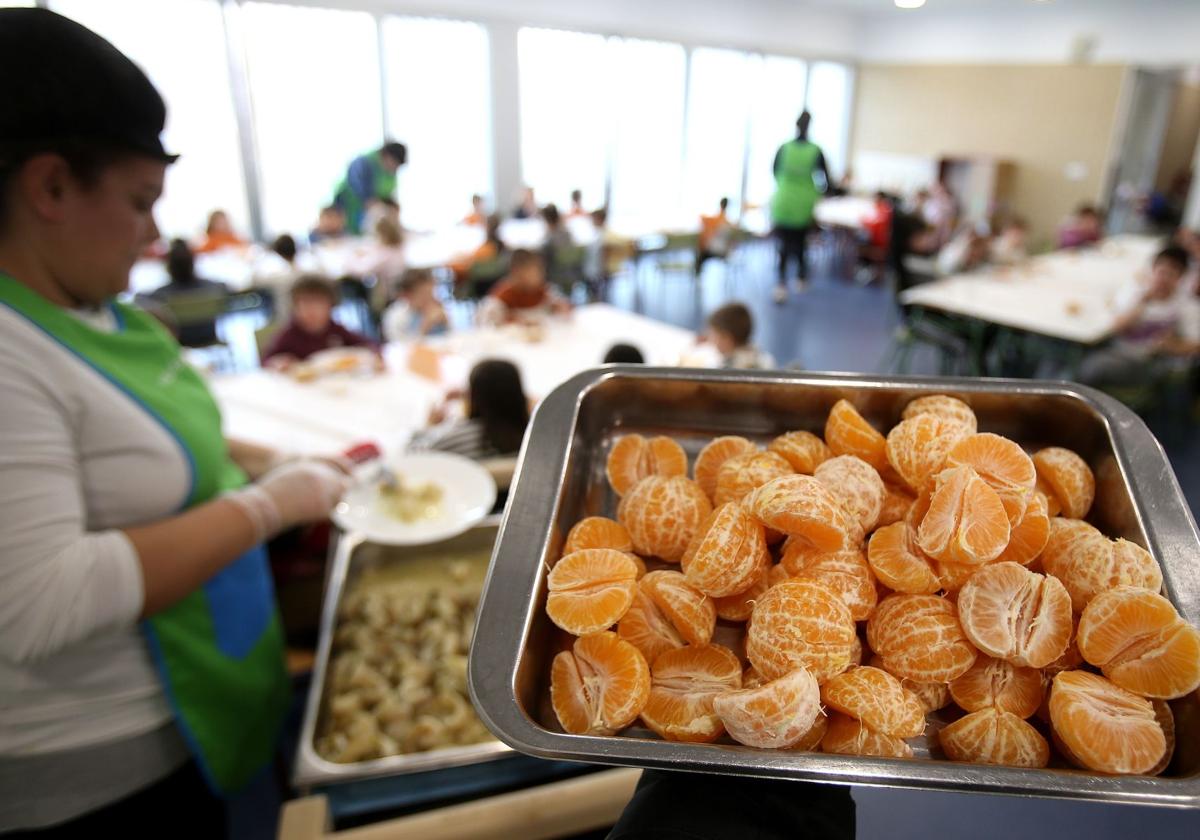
(1053, 506)
(598, 532)
(966, 522)
(667, 457)
(1069, 661)
(946, 407)
(847, 736)
(1069, 477)
(683, 685)
(877, 699)
(662, 515)
(646, 627)
(994, 736)
(713, 455)
(600, 686)
(844, 572)
(804, 451)
(899, 563)
(729, 555)
(1166, 721)
(918, 509)
(933, 696)
(1014, 614)
(811, 740)
(799, 505)
(1088, 563)
(1104, 727)
(799, 624)
(1141, 643)
(774, 715)
(1003, 465)
(739, 607)
(1029, 536)
(691, 612)
(742, 474)
(590, 590)
(994, 682)
(918, 637)
(953, 576)
(628, 463)
(896, 504)
(917, 447)
(848, 433)
(857, 486)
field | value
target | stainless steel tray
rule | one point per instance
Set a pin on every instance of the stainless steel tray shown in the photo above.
(1138, 498)
(352, 556)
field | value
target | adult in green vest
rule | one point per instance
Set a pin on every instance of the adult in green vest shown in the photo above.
(141, 654)
(797, 164)
(369, 178)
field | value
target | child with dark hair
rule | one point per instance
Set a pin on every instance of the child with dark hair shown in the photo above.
(624, 354)
(730, 329)
(416, 313)
(523, 294)
(311, 328)
(716, 236)
(1085, 227)
(497, 413)
(331, 225)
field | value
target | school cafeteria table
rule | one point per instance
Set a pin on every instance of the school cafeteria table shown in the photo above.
(1074, 297)
(843, 211)
(335, 412)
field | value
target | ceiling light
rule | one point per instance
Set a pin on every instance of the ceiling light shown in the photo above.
(910, 4)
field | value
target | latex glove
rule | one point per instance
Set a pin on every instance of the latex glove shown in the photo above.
(293, 494)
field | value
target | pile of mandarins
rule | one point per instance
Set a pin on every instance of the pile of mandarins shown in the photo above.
(968, 562)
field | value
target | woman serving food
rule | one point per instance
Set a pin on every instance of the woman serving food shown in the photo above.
(141, 667)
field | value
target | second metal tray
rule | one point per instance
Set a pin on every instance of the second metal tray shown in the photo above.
(561, 479)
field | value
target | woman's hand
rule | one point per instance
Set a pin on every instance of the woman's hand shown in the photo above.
(293, 494)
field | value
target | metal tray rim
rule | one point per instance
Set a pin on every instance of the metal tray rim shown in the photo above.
(493, 665)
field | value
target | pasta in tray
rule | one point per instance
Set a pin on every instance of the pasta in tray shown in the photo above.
(397, 682)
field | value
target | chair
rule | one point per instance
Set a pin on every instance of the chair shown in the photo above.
(481, 276)
(194, 315)
(677, 257)
(565, 267)
(263, 336)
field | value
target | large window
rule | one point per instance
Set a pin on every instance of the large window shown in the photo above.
(646, 100)
(564, 85)
(829, 103)
(719, 92)
(777, 101)
(446, 124)
(315, 90)
(181, 46)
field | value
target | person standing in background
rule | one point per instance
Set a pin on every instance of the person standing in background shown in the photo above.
(370, 177)
(797, 163)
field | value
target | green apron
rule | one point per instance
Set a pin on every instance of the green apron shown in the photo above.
(795, 192)
(219, 651)
(383, 185)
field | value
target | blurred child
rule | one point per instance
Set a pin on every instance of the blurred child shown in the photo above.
(557, 235)
(873, 252)
(940, 212)
(491, 249)
(576, 210)
(311, 328)
(624, 354)
(523, 294)
(1085, 227)
(277, 272)
(379, 209)
(219, 234)
(716, 236)
(605, 255)
(1011, 246)
(417, 312)
(331, 225)
(1151, 321)
(497, 413)
(382, 259)
(965, 252)
(527, 208)
(730, 328)
(478, 215)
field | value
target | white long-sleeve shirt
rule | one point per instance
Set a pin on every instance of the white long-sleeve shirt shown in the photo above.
(78, 461)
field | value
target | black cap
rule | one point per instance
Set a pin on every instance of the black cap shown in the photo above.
(63, 82)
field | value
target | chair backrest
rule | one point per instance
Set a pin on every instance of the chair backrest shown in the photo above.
(199, 307)
(264, 335)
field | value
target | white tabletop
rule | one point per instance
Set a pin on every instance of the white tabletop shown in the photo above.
(331, 414)
(1072, 295)
(847, 211)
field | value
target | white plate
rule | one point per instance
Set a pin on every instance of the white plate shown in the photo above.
(468, 494)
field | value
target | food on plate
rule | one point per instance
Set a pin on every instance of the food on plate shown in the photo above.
(831, 593)
(410, 503)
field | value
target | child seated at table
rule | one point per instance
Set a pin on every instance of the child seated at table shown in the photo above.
(478, 215)
(1010, 247)
(490, 251)
(1083, 228)
(967, 251)
(311, 328)
(624, 354)
(496, 410)
(729, 329)
(716, 236)
(523, 294)
(331, 225)
(1151, 321)
(417, 312)
(218, 234)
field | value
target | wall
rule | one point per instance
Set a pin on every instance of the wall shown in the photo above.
(1183, 129)
(1039, 117)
